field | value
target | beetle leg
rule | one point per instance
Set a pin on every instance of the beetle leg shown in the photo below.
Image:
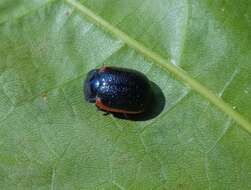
(126, 115)
(98, 109)
(106, 113)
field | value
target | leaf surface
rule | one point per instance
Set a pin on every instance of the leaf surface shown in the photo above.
(52, 139)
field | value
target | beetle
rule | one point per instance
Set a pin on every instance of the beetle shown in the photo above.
(118, 90)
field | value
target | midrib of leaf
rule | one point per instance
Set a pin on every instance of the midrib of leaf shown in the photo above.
(165, 65)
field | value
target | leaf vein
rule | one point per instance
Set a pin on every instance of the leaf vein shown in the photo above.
(180, 100)
(226, 128)
(231, 79)
(165, 65)
(206, 171)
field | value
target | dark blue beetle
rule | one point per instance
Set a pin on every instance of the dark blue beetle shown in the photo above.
(118, 90)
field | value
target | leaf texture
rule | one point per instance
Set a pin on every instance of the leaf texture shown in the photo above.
(52, 139)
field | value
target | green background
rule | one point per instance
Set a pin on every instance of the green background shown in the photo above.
(50, 138)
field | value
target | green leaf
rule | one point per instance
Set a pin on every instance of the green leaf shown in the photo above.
(198, 52)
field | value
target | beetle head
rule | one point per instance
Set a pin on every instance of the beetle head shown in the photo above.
(90, 85)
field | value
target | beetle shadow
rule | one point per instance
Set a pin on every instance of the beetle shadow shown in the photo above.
(154, 108)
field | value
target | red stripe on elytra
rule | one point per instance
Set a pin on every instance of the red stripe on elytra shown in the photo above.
(106, 108)
(102, 69)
